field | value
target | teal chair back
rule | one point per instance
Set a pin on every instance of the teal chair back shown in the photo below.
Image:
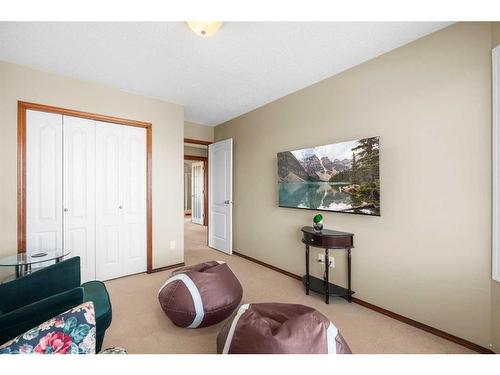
(32, 299)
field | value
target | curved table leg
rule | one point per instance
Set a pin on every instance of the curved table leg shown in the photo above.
(327, 286)
(22, 270)
(19, 271)
(349, 297)
(307, 269)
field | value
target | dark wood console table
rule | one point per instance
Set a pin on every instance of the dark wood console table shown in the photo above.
(328, 240)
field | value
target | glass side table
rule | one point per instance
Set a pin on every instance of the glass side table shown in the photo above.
(22, 262)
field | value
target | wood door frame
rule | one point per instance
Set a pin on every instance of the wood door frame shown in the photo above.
(197, 142)
(22, 107)
(204, 159)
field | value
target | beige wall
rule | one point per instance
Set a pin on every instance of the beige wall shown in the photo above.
(495, 285)
(199, 132)
(195, 151)
(19, 83)
(428, 257)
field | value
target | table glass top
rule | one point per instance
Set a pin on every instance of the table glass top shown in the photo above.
(33, 257)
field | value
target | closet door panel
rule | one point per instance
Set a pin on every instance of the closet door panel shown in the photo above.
(43, 181)
(79, 192)
(109, 232)
(134, 199)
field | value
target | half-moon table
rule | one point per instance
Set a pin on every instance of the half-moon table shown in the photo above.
(328, 240)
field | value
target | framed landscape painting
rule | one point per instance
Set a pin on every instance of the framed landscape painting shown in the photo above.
(340, 177)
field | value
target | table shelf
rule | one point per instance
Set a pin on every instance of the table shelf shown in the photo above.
(318, 286)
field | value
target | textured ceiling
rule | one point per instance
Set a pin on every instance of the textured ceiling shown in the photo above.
(246, 65)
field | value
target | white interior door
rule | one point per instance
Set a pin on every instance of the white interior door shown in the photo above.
(197, 191)
(220, 195)
(44, 219)
(134, 205)
(79, 192)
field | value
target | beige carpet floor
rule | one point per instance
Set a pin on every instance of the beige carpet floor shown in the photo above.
(140, 326)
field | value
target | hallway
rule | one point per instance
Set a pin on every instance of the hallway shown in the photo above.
(195, 236)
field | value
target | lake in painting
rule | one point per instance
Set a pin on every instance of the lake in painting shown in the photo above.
(342, 177)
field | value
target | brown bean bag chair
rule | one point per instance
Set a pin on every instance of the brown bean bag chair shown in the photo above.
(200, 295)
(280, 328)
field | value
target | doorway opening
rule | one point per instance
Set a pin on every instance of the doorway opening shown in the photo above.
(208, 190)
(196, 181)
(195, 191)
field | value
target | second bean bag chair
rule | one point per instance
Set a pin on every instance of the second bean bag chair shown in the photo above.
(280, 328)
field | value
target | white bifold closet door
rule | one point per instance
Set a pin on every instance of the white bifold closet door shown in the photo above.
(79, 192)
(44, 219)
(86, 192)
(120, 200)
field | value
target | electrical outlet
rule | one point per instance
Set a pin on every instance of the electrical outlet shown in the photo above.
(172, 244)
(321, 259)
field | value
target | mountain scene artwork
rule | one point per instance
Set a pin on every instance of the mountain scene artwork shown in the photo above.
(340, 177)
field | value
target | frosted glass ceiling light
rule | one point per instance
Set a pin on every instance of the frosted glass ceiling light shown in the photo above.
(204, 29)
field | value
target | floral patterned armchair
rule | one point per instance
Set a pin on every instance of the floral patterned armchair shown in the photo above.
(72, 332)
(32, 299)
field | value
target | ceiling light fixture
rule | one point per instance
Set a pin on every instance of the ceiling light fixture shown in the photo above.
(204, 29)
